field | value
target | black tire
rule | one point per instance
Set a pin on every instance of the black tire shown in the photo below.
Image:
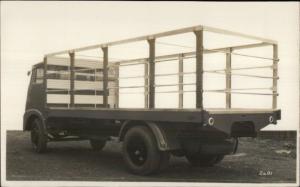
(178, 153)
(97, 145)
(164, 160)
(141, 153)
(39, 136)
(203, 160)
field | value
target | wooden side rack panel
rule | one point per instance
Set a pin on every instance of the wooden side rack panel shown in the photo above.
(104, 73)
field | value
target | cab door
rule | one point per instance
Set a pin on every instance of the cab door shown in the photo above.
(36, 91)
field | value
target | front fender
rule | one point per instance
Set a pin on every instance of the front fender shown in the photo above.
(31, 114)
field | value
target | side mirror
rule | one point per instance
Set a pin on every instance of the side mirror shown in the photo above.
(28, 73)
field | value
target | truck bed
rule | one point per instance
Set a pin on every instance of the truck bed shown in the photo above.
(170, 115)
(225, 120)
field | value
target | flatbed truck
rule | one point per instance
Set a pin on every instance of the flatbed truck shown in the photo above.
(59, 107)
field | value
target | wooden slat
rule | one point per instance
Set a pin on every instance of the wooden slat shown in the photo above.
(151, 73)
(72, 77)
(199, 69)
(275, 74)
(58, 98)
(180, 81)
(117, 72)
(242, 35)
(228, 80)
(146, 84)
(105, 75)
(80, 62)
(45, 80)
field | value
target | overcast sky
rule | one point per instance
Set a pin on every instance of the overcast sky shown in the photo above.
(31, 29)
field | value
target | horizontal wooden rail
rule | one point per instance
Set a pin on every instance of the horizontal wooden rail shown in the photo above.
(244, 75)
(217, 91)
(164, 34)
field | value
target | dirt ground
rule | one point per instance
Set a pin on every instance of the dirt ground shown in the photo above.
(257, 161)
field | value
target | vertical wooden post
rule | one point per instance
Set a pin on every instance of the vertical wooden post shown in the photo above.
(105, 76)
(199, 69)
(72, 78)
(228, 78)
(151, 72)
(180, 81)
(275, 75)
(95, 91)
(146, 84)
(117, 85)
(45, 81)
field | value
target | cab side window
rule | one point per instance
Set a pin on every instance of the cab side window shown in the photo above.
(38, 75)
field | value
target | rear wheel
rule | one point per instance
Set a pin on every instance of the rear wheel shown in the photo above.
(141, 153)
(197, 159)
(38, 136)
(97, 145)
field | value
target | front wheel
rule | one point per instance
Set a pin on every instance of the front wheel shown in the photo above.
(38, 136)
(141, 153)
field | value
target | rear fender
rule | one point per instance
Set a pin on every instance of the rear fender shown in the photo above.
(164, 142)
